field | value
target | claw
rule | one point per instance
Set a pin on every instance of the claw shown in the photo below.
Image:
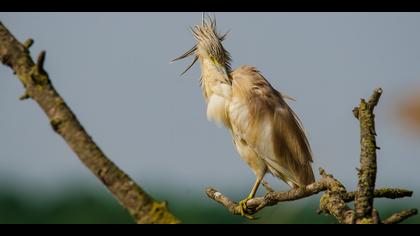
(244, 209)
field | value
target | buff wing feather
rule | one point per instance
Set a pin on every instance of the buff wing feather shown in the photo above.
(260, 117)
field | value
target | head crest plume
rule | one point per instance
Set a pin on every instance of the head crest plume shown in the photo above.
(207, 37)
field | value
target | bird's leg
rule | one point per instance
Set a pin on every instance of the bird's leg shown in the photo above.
(267, 187)
(242, 204)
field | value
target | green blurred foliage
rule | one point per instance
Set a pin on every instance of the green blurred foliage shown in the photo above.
(87, 206)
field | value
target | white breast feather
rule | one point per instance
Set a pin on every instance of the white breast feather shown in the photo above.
(238, 113)
(216, 110)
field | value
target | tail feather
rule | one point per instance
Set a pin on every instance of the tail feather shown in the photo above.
(307, 177)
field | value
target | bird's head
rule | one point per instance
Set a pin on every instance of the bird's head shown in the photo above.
(209, 46)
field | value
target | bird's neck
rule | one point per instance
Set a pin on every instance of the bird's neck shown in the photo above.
(214, 78)
(212, 68)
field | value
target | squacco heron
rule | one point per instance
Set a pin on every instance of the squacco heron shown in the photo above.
(267, 134)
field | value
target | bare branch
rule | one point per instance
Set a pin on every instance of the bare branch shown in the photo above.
(40, 62)
(332, 204)
(39, 87)
(367, 173)
(374, 98)
(375, 216)
(271, 198)
(232, 206)
(391, 193)
(332, 201)
(28, 43)
(400, 216)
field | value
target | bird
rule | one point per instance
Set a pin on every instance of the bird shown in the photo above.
(267, 133)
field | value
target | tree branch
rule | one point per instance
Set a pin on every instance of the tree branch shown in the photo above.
(331, 203)
(391, 193)
(400, 216)
(368, 167)
(39, 87)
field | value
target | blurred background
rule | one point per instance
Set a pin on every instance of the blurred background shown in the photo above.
(113, 70)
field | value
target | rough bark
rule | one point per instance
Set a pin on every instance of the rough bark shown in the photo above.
(38, 86)
(368, 167)
(400, 216)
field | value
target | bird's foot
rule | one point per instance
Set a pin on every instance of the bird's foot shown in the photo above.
(244, 209)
